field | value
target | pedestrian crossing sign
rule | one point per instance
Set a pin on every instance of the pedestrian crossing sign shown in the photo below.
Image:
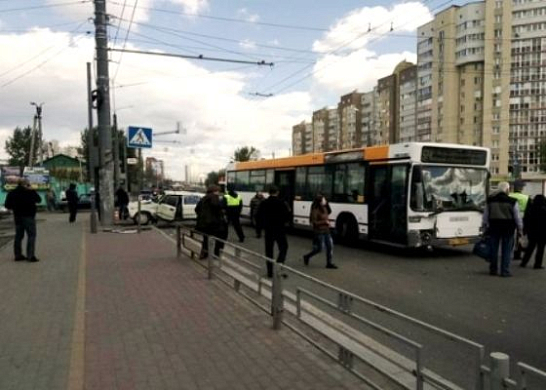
(139, 137)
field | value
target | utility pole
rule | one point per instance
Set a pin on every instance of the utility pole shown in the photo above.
(116, 152)
(103, 110)
(37, 120)
(91, 151)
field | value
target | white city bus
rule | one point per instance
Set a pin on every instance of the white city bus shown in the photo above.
(411, 194)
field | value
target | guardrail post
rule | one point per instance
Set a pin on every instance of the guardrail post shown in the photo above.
(276, 297)
(178, 241)
(210, 262)
(500, 369)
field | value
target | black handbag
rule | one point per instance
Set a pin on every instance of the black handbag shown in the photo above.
(483, 248)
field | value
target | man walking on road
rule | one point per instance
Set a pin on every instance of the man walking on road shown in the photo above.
(22, 201)
(234, 207)
(211, 220)
(273, 216)
(500, 219)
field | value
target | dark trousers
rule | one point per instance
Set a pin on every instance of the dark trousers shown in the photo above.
(122, 211)
(320, 240)
(218, 246)
(272, 237)
(73, 209)
(235, 220)
(506, 243)
(22, 225)
(539, 244)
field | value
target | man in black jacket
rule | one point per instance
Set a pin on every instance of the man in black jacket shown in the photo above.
(72, 200)
(211, 220)
(22, 201)
(273, 216)
(500, 219)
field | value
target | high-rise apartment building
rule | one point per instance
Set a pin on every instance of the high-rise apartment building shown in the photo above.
(480, 80)
(369, 118)
(407, 104)
(350, 120)
(302, 138)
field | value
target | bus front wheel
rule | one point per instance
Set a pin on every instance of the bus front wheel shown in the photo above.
(346, 228)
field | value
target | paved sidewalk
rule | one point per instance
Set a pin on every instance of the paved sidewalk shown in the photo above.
(119, 311)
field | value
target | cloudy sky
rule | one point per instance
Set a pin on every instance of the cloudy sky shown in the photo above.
(320, 50)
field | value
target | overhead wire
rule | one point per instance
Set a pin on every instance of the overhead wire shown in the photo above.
(226, 19)
(23, 63)
(125, 40)
(52, 5)
(41, 63)
(334, 51)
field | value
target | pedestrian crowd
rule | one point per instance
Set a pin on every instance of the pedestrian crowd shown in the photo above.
(512, 224)
(272, 215)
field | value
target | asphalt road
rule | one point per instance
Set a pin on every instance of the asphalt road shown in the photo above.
(450, 289)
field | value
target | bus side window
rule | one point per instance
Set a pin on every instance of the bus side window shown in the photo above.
(356, 173)
(301, 177)
(340, 184)
(417, 192)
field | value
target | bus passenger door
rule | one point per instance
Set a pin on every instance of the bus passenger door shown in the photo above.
(387, 209)
(286, 183)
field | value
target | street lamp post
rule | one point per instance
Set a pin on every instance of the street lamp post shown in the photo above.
(37, 120)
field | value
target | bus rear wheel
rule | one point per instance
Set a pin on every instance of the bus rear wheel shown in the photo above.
(346, 229)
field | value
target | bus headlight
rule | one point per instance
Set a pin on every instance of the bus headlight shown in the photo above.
(414, 218)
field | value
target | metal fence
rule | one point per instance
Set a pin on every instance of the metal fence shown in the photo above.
(337, 323)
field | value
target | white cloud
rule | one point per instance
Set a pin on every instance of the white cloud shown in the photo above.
(347, 62)
(351, 32)
(212, 106)
(246, 15)
(193, 6)
(248, 44)
(363, 67)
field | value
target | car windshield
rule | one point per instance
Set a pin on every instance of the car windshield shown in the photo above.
(440, 188)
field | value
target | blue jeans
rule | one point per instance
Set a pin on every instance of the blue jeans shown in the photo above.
(506, 242)
(320, 240)
(22, 225)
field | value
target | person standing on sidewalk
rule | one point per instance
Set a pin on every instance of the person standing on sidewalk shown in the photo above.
(234, 207)
(501, 219)
(533, 222)
(273, 216)
(72, 200)
(122, 200)
(22, 201)
(50, 199)
(254, 205)
(522, 201)
(211, 220)
(319, 218)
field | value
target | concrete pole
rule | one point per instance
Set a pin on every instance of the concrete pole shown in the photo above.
(103, 109)
(32, 134)
(500, 369)
(40, 151)
(90, 150)
(116, 153)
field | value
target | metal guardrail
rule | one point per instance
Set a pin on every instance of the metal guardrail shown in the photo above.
(351, 342)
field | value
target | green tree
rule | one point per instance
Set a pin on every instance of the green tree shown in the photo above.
(18, 147)
(245, 153)
(213, 177)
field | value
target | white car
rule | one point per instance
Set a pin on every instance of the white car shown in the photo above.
(172, 206)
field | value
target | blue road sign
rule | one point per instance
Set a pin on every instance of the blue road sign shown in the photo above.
(139, 137)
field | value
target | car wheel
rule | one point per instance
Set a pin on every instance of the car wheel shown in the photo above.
(144, 218)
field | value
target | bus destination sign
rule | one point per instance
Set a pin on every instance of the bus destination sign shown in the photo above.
(435, 154)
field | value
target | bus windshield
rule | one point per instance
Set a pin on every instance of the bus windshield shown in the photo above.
(441, 188)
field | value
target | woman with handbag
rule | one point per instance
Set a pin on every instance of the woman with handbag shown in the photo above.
(319, 218)
(535, 215)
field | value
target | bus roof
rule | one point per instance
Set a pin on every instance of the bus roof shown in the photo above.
(411, 150)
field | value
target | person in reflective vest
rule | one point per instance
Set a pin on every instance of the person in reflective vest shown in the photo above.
(234, 204)
(522, 201)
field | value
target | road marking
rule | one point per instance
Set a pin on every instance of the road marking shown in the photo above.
(77, 358)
